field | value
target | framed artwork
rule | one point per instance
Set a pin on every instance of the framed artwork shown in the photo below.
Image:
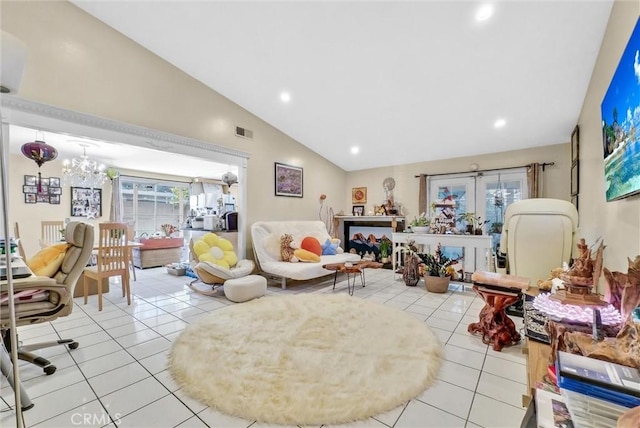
(54, 199)
(86, 202)
(575, 144)
(30, 189)
(44, 182)
(359, 195)
(55, 190)
(29, 198)
(30, 180)
(288, 180)
(41, 197)
(54, 182)
(575, 178)
(44, 190)
(574, 200)
(358, 210)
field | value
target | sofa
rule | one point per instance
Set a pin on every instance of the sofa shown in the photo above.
(266, 248)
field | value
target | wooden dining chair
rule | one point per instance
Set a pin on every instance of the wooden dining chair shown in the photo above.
(50, 233)
(131, 234)
(112, 260)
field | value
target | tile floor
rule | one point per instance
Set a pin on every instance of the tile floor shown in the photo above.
(118, 376)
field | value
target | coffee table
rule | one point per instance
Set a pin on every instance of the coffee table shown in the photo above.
(355, 268)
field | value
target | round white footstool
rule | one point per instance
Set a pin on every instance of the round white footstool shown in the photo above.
(245, 288)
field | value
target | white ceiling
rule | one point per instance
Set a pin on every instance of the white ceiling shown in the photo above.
(121, 156)
(403, 81)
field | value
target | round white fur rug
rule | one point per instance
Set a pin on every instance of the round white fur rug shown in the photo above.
(306, 359)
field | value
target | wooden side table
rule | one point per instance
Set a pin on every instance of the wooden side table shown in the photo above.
(496, 327)
(356, 268)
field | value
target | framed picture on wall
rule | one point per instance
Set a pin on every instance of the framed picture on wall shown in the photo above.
(55, 190)
(575, 178)
(575, 144)
(29, 198)
(358, 210)
(54, 182)
(54, 199)
(30, 180)
(30, 189)
(288, 180)
(86, 202)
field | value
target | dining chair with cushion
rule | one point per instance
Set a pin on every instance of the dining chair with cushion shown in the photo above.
(112, 260)
(42, 299)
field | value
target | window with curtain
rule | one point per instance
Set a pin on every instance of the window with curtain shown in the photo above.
(150, 204)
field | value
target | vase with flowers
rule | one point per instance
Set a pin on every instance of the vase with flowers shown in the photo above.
(168, 229)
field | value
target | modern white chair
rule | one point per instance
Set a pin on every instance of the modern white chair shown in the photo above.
(538, 235)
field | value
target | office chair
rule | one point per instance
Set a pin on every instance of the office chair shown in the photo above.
(55, 298)
(538, 235)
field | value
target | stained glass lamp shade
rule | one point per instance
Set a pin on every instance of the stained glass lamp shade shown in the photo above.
(40, 152)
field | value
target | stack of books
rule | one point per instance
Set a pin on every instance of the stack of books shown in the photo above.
(596, 392)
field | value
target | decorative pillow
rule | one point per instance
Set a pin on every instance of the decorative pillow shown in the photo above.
(306, 256)
(271, 245)
(48, 260)
(339, 249)
(329, 248)
(211, 248)
(311, 244)
(287, 248)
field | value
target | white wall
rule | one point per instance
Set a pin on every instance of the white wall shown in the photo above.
(618, 222)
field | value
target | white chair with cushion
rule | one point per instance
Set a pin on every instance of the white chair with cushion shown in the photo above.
(538, 235)
(214, 262)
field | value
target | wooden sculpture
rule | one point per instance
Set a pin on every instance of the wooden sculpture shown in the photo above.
(624, 294)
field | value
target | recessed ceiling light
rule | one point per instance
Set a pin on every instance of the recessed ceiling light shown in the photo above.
(355, 150)
(499, 123)
(285, 97)
(484, 12)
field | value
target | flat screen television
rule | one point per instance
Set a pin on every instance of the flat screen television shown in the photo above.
(620, 110)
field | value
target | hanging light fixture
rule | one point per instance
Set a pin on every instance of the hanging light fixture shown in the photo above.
(229, 178)
(83, 172)
(40, 152)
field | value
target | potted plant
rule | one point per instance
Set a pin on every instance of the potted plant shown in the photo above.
(496, 227)
(420, 224)
(385, 250)
(437, 269)
(474, 223)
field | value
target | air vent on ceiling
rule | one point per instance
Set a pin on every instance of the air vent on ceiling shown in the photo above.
(244, 133)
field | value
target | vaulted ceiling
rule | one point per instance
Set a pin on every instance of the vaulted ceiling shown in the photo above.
(401, 81)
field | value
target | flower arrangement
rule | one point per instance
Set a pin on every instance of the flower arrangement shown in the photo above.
(421, 221)
(437, 264)
(168, 229)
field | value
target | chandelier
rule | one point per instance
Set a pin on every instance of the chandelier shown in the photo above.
(83, 172)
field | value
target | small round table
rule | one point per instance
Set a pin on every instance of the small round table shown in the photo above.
(356, 268)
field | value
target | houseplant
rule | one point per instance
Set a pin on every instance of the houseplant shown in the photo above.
(385, 250)
(474, 223)
(436, 272)
(420, 224)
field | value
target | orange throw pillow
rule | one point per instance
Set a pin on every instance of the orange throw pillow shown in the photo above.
(312, 245)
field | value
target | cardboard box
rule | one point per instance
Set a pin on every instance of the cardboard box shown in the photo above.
(177, 271)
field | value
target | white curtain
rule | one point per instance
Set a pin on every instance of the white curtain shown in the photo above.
(115, 213)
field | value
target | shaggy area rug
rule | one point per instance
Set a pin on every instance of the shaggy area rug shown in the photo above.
(305, 359)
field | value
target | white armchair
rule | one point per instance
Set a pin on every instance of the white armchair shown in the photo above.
(538, 235)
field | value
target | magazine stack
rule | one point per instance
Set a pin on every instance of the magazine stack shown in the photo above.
(596, 392)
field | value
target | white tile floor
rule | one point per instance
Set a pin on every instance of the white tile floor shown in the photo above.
(118, 376)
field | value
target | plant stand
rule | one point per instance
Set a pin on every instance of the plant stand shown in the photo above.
(437, 284)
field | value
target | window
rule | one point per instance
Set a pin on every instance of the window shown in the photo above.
(150, 204)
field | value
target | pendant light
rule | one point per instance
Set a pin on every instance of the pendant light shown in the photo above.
(40, 152)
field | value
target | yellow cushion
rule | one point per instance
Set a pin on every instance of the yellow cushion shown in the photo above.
(306, 256)
(48, 260)
(211, 248)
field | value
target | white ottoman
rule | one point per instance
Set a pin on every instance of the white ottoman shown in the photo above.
(245, 288)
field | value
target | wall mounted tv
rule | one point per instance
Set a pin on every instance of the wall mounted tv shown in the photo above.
(621, 124)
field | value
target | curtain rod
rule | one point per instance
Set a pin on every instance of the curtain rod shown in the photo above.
(545, 164)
